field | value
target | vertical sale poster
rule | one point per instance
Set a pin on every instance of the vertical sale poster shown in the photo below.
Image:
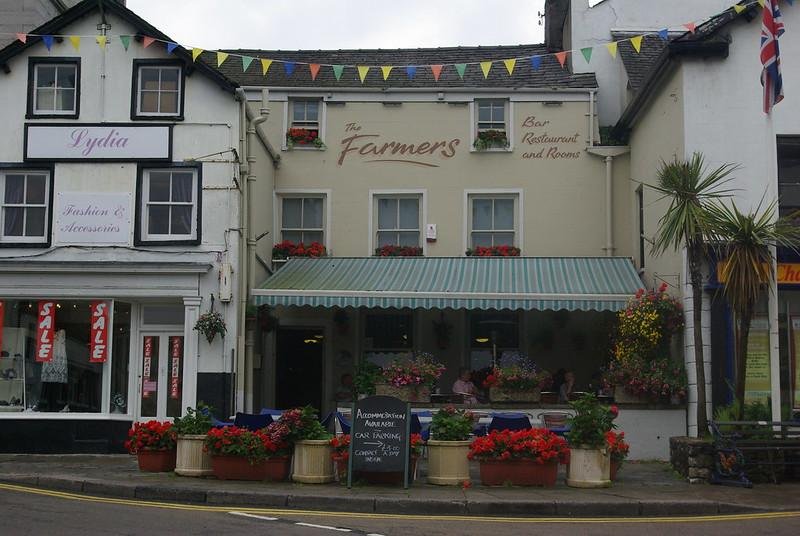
(98, 336)
(757, 379)
(45, 331)
(148, 385)
(175, 353)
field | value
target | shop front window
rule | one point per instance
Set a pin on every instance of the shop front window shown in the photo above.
(388, 337)
(491, 336)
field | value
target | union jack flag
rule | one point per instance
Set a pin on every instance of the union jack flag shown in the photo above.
(771, 29)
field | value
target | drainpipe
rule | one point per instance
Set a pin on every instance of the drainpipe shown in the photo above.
(608, 154)
(590, 137)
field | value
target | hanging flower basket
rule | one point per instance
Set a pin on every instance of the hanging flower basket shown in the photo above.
(211, 324)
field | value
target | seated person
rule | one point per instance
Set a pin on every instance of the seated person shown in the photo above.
(463, 386)
(567, 387)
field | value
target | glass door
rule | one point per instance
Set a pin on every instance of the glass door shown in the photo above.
(161, 394)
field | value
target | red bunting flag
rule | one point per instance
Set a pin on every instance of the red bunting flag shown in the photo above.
(98, 334)
(22, 37)
(175, 353)
(45, 331)
(562, 57)
(147, 41)
(314, 68)
(437, 71)
(690, 26)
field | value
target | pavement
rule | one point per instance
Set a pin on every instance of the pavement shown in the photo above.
(643, 489)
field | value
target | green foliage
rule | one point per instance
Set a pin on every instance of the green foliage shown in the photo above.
(591, 422)
(303, 424)
(451, 424)
(196, 422)
(367, 375)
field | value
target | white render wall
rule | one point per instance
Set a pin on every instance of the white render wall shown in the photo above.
(24, 15)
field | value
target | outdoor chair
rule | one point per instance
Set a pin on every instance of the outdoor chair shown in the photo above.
(555, 421)
(270, 411)
(216, 423)
(252, 421)
(509, 421)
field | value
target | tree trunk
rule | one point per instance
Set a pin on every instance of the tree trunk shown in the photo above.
(742, 338)
(696, 274)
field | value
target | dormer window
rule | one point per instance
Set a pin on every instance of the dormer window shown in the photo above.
(54, 88)
(158, 89)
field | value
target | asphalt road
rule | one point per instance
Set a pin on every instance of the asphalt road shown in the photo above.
(54, 513)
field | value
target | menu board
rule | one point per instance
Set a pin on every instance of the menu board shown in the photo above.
(757, 378)
(379, 440)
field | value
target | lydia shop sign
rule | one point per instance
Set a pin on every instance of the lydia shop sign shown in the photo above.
(100, 142)
(380, 436)
(93, 218)
(373, 147)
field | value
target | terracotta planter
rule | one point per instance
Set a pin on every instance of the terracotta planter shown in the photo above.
(447, 462)
(621, 396)
(191, 459)
(518, 473)
(312, 461)
(240, 468)
(407, 393)
(277, 469)
(615, 466)
(156, 461)
(589, 468)
(498, 394)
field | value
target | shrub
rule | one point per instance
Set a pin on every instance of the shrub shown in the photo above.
(451, 424)
(150, 435)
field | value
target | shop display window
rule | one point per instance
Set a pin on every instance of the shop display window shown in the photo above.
(387, 337)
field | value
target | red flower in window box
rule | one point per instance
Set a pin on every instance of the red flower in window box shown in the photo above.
(303, 136)
(389, 250)
(287, 248)
(493, 251)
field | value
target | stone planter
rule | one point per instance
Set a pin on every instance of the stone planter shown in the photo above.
(589, 468)
(498, 394)
(407, 393)
(191, 459)
(447, 462)
(621, 396)
(156, 461)
(312, 461)
(518, 473)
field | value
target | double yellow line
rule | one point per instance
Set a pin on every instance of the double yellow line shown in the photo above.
(360, 515)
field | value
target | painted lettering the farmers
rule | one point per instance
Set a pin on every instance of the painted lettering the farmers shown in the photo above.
(545, 145)
(371, 148)
(81, 139)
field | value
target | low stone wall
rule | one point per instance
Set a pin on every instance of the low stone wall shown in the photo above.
(692, 458)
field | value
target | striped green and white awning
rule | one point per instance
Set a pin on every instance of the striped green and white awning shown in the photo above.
(528, 283)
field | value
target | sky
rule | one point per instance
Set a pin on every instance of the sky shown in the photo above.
(335, 24)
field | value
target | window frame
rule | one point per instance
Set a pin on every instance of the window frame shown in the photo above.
(25, 241)
(509, 193)
(142, 238)
(376, 195)
(148, 116)
(324, 194)
(509, 130)
(33, 64)
(288, 120)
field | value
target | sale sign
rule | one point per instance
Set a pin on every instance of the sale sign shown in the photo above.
(98, 336)
(45, 331)
(176, 352)
(147, 384)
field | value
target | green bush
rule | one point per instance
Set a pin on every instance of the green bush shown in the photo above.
(451, 424)
(591, 422)
(196, 422)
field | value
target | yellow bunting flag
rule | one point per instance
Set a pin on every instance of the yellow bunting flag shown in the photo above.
(612, 49)
(386, 70)
(362, 72)
(761, 3)
(562, 57)
(76, 41)
(510, 65)
(637, 43)
(739, 8)
(221, 57)
(265, 66)
(485, 67)
(196, 53)
(101, 40)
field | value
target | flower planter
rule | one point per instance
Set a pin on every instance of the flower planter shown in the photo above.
(589, 468)
(498, 394)
(447, 462)
(521, 472)
(156, 461)
(621, 396)
(312, 461)
(240, 468)
(191, 459)
(407, 393)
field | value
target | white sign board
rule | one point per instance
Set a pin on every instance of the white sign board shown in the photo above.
(93, 218)
(105, 142)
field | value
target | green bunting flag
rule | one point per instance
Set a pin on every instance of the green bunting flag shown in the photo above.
(461, 69)
(337, 71)
(246, 61)
(126, 41)
(587, 53)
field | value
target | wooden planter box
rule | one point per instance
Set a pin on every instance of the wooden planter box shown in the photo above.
(156, 461)
(312, 461)
(191, 459)
(448, 464)
(518, 473)
(406, 393)
(498, 394)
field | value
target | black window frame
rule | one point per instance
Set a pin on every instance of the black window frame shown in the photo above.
(139, 210)
(33, 62)
(50, 170)
(137, 64)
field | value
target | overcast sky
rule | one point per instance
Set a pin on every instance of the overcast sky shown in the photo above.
(315, 24)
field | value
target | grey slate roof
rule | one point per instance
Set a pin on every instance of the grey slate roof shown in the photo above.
(638, 65)
(549, 75)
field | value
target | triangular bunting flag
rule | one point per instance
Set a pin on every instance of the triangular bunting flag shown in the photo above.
(101, 40)
(437, 71)
(265, 66)
(761, 3)
(562, 57)
(337, 71)
(738, 9)
(22, 37)
(486, 66)
(386, 70)
(147, 41)
(314, 68)
(76, 41)
(48, 41)
(664, 34)
(171, 47)
(587, 53)
(196, 53)
(461, 68)
(221, 57)
(536, 62)
(246, 61)
(362, 72)
(690, 26)
(510, 63)
(126, 41)
(637, 43)
(288, 67)
(612, 49)
(411, 71)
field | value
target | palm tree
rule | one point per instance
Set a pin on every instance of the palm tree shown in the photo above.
(686, 223)
(745, 242)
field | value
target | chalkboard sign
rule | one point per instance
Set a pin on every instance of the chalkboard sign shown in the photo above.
(379, 440)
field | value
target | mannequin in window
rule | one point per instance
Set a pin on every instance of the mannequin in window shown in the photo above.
(55, 377)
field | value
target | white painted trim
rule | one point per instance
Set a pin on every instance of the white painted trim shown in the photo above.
(437, 295)
(519, 192)
(421, 192)
(105, 403)
(284, 124)
(473, 127)
(327, 193)
(134, 363)
(58, 416)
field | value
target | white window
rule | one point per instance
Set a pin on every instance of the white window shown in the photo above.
(493, 220)
(55, 89)
(302, 219)
(304, 128)
(491, 124)
(169, 205)
(305, 113)
(158, 90)
(398, 221)
(25, 206)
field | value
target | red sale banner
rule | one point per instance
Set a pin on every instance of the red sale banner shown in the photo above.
(98, 336)
(45, 331)
(176, 352)
(147, 384)
(2, 317)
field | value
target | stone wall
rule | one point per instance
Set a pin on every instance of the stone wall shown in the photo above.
(692, 458)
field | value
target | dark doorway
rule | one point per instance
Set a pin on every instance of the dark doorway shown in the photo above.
(298, 374)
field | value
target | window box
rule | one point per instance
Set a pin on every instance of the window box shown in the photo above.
(26, 200)
(493, 251)
(54, 88)
(490, 139)
(158, 90)
(304, 125)
(390, 250)
(287, 248)
(491, 124)
(303, 137)
(169, 205)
